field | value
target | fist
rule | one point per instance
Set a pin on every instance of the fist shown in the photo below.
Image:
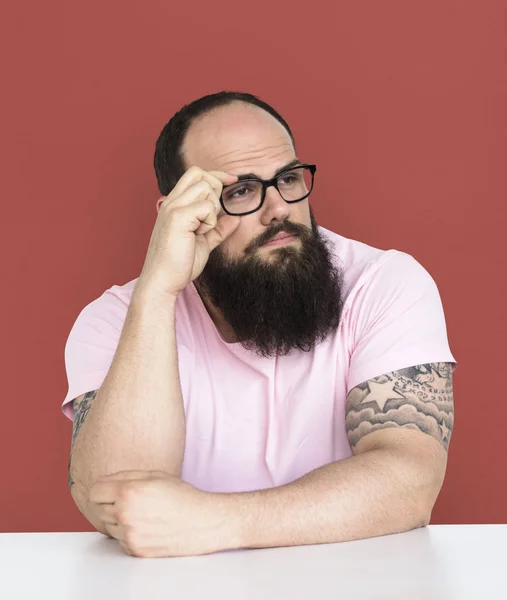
(154, 514)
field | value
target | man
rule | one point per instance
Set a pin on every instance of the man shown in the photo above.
(264, 381)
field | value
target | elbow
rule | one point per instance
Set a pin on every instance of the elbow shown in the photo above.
(423, 517)
(423, 505)
(429, 495)
(422, 483)
(417, 498)
(409, 515)
(80, 498)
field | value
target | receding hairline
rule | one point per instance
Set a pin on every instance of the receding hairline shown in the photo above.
(221, 109)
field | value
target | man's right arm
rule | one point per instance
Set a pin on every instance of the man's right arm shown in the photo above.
(136, 420)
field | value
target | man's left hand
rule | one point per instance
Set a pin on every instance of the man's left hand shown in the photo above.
(153, 514)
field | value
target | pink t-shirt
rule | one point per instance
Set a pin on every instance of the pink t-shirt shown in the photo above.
(255, 422)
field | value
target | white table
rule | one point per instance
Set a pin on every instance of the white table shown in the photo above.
(451, 562)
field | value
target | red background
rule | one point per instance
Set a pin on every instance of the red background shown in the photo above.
(402, 105)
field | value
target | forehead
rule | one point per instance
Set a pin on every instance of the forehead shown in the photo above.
(238, 138)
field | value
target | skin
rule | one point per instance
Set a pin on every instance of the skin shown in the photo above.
(389, 485)
(240, 139)
(399, 424)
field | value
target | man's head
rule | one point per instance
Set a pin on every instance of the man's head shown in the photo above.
(276, 298)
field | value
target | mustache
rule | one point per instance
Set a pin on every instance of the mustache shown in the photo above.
(287, 227)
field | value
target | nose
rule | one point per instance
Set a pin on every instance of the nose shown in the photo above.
(274, 207)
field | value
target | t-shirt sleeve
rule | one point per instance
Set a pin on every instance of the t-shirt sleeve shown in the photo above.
(397, 321)
(91, 345)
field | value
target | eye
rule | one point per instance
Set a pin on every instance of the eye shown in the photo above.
(239, 191)
(289, 178)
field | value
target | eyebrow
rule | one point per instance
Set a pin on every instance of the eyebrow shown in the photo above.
(293, 163)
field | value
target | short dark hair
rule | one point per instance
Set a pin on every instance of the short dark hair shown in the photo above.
(168, 160)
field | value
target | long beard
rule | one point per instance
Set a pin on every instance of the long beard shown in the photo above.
(291, 301)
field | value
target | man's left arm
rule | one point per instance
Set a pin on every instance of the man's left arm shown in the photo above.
(399, 427)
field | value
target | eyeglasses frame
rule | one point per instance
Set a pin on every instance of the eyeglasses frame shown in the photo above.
(266, 183)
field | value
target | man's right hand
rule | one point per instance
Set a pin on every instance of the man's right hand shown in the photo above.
(187, 229)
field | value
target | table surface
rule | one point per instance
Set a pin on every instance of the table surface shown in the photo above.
(448, 562)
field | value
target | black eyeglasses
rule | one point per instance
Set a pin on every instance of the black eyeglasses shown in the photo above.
(246, 196)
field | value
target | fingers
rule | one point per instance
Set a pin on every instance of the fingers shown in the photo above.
(196, 193)
(116, 531)
(125, 547)
(203, 216)
(223, 178)
(197, 218)
(107, 513)
(128, 475)
(104, 492)
(106, 488)
(202, 190)
(216, 179)
(226, 225)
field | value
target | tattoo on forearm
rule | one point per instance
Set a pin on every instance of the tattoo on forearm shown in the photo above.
(71, 481)
(80, 410)
(418, 397)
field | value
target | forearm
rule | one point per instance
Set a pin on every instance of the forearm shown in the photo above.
(371, 494)
(136, 421)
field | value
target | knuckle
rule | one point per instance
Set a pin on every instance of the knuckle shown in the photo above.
(166, 203)
(130, 540)
(209, 205)
(213, 179)
(123, 516)
(128, 494)
(136, 544)
(123, 494)
(142, 552)
(204, 187)
(177, 212)
(195, 171)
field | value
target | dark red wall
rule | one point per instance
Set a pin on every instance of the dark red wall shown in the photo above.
(401, 104)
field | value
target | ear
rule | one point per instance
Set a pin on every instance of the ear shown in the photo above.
(159, 202)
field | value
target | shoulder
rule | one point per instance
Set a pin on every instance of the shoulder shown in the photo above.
(100, 322)
(110, 307)
(364, 267)
(102, 319)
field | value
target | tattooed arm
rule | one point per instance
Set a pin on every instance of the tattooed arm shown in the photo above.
(81, 406)
(418, 398)
(136, 421)
(399, 426)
